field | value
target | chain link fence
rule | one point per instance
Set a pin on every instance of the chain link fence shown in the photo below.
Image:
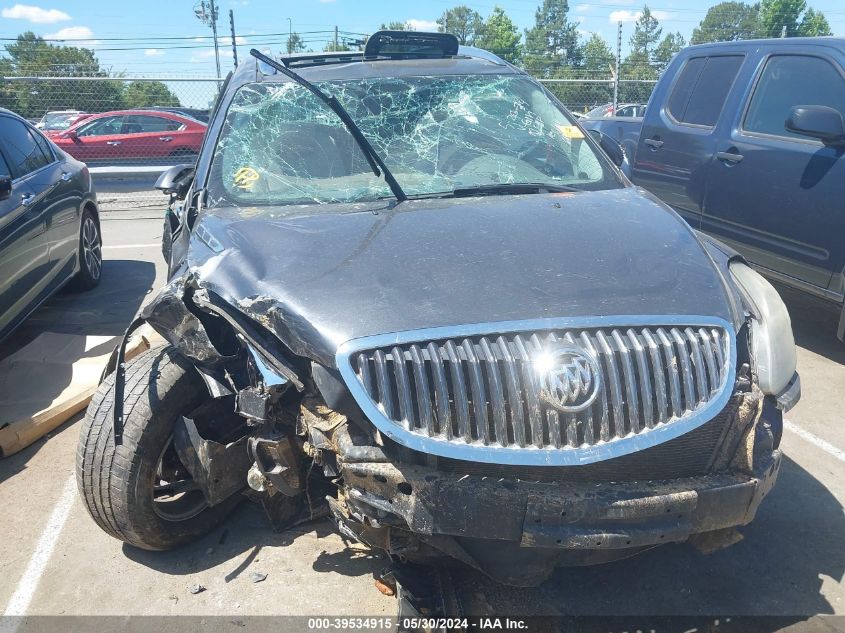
(130, 129)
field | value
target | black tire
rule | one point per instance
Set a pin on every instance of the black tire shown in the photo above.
(90, 253)
(117, 483)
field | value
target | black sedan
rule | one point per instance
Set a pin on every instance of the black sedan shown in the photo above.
(49, 222)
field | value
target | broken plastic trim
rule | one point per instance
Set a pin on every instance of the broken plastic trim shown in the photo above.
(208, 301)
(370, 154)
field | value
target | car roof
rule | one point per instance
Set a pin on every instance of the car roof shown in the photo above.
(838, 42)
(350, 65)
(159, 113)
(14, 114)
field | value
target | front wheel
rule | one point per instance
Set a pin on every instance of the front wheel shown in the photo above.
(139, 491)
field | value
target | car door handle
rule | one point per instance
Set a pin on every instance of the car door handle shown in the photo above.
(27, 199)
(729, 157)
(165, 138)
(653, 143)
(113, 142)
(66, 176)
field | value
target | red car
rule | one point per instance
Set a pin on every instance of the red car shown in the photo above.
(129, 135)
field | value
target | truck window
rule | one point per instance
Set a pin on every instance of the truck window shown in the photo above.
(790, 80)
(701, 89)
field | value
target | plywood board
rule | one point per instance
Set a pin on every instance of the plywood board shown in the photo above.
(49, 381)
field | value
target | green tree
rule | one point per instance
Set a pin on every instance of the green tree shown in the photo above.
(394, 26)
(30, 55)
(295, 43)
(597, 54)
(641, 63)
(142, 94)
(553, 40)
(777, 14)
(727, 22)
(814, 24)
(637, 67)
(669, 47)
(795, 16)
(331, 47)
(647, 32)
(598, 62)
(463, 23)
(501, 36)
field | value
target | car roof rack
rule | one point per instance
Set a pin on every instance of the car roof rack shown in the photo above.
(338, 57)
(383, 45)
(410, 45)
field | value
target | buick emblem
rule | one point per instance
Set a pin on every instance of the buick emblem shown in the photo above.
(569, 378)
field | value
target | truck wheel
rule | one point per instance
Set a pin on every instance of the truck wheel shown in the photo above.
(139, 491)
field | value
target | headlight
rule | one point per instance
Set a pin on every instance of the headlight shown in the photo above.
(772, 345)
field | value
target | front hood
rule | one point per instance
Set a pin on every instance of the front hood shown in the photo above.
(319, 276)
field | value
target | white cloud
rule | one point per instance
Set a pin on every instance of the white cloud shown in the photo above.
(153, 52)
(206, 55)
(71, 33)
(633, 16)
(421, 25)
(582, 8)
(36, 15)
(624, 16)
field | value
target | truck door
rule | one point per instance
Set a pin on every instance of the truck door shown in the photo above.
(776, 196)
(677, 140)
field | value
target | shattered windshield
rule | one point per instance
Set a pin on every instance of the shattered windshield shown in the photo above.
(281, 145)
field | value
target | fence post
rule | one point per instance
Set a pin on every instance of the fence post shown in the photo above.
(616, 74)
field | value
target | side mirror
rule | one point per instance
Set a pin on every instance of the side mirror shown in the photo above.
(819, 122)
(71, 134)
(176, 180)
(5, 187)
(610, 147)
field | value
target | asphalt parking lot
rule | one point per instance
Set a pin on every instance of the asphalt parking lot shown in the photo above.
(54, 561)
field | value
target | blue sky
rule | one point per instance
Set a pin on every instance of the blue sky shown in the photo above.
(96, 22)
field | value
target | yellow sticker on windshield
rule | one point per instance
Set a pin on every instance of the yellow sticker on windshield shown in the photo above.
(246, 177)
(570, 131)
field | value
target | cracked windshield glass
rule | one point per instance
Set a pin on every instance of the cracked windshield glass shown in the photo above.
(282, 145)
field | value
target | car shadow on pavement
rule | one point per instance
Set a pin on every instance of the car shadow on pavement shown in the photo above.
(814, 323)
(104, 311)
(247, 538)
(776, 570)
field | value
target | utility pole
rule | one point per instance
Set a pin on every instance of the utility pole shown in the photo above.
(783, 31)
(234, 39)
(214, 32)
(335, 38)
(616, 74)
(207, 14)
(290, 35)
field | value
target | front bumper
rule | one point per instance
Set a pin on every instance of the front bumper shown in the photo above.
(558, 516)
(518, 524)
(518, 532)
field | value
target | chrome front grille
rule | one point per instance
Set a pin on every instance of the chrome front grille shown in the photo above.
(484, 391)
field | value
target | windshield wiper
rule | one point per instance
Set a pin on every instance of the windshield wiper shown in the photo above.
(502, 189)
(370, 154)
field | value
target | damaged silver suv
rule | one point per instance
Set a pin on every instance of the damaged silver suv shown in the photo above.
(408, 291)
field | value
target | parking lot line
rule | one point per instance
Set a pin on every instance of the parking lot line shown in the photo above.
(815, 440)
(27, 585)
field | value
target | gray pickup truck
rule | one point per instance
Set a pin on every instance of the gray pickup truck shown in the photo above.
(745, 140)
